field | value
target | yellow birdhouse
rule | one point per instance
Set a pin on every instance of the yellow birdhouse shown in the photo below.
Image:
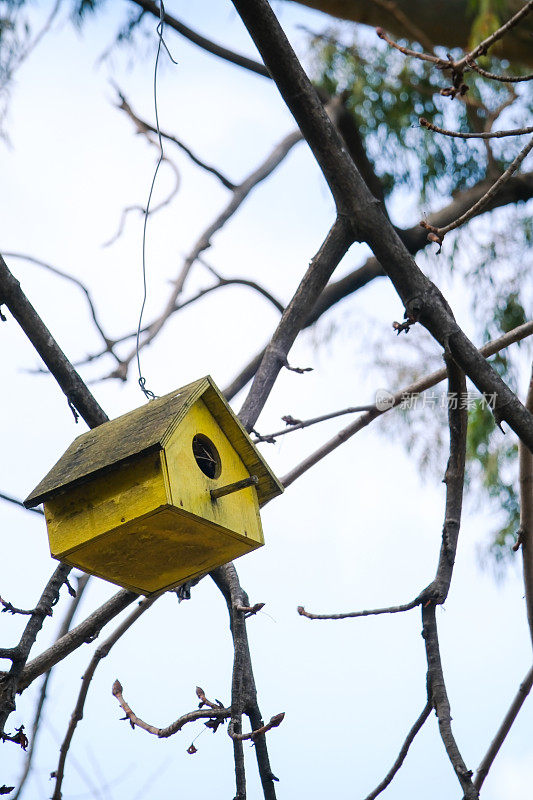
(160, 495)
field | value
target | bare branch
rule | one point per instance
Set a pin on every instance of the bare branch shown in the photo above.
(441, 63)
(502, 78)
(320, 269)
(525, 457)
(143, 127)
(243, 693)
(274, 722)
(364, 215)
(60, 273)
(164, 733)
(83, 633)
(403, 752)
(162, 158)
(77, 715)
(9, 608)
(19, 655)
(201, 41)
(239, 194)
(484, 201)
(480, 135)
(64, 628)
(483, 47)
(489, 349)
(298, 425)
(68, 379)
(503, 730)
(439, 699)
(438, 589)
(369, 613)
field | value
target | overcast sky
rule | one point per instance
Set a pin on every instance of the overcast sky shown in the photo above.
(360, 530)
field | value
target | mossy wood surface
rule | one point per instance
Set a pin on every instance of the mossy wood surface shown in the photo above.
(147, 428)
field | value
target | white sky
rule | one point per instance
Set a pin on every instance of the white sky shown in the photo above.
(359, 530)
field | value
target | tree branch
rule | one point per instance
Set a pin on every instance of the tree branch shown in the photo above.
(525, 458)
(163, 733)
(489, 349)
(143, 127)
(83, 633)
(507, 723)
(77, 715)
(244, 693)
(483, 201)
(201, 41)
(320, 269)
(437, 591)
(64, 628)
(403, 752)
(239, 194)
(423, 301)
(68, 379)
(9, 682)
(478, 135)
(439, 700)
(369, 613)
(296, 425)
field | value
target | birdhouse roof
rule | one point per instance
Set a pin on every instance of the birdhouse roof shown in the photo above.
(149, 428)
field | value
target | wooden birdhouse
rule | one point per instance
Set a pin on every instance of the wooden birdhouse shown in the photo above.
(160, 495)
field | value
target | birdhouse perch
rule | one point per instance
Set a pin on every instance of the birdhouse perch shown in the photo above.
(160, 495)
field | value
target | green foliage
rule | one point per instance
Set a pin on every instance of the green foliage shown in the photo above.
(387, 93)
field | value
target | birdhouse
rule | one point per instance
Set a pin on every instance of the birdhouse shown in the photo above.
(160, 495)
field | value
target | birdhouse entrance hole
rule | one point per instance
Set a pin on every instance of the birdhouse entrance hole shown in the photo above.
(206, 456)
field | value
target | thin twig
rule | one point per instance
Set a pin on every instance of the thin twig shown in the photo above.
(61, 274)
(174, 727)
(83, 580)
(274, 722)
(271, 437)
(153, 209)
(239, 195)
(507, 723)
(19, 655)
(243, 693)
(403, 752)
(483, 46)
(439, 233)
(481, 135)
(9, 608)
(502, 78)
(439, 62)
(489, 349)
(437, 591)
(83, 633)
(143, 127)
(368, 613)
(73, 387)
(77, 715)
(201, 41)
